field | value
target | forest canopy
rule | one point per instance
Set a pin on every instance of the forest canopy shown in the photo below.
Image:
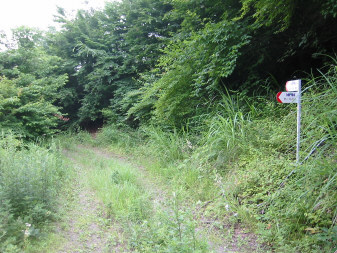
(167, 61)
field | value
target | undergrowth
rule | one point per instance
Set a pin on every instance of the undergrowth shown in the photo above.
(241, 160)
(149, 228)
(31, 177)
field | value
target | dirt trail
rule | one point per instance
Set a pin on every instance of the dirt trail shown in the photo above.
(87, 228)
(238, 240)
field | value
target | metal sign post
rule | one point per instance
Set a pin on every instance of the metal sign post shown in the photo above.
(298, 122)
(293, 95)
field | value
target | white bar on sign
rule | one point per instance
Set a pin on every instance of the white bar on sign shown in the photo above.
(293, 85)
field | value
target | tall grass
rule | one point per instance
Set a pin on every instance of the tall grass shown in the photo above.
(167, 146)
(295, 207)
(321, 109)
(245, 153)
(119, 138)
(117, 185)
(30, 179)
(225, 132)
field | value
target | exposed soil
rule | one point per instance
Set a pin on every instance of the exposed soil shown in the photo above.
(88, 229)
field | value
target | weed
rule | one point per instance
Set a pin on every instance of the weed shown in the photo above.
(30, 179)
(171, 230)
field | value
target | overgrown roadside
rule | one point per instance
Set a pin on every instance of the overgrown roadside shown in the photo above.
(119, 206)
(220, 237)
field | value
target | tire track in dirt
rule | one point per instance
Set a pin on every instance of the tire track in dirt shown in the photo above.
(87, 227)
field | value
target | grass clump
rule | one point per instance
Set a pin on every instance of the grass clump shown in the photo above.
(293, 206)
(170, 230)
(119, 138)
(118, 187)
(30, 179)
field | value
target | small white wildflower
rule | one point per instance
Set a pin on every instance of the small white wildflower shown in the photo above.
(28, 225)
(189, 144)
(27, 233)
(236, 214)
(227, 207)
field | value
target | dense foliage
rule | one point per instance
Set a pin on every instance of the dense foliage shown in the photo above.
(201, 68)
(30, 82)
(31, 178)
(144, 59)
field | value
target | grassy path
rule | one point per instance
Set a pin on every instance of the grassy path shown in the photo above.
(118, 206)
(86, 227)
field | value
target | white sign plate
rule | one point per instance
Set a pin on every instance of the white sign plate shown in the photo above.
(293, 85)
(287, 97)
